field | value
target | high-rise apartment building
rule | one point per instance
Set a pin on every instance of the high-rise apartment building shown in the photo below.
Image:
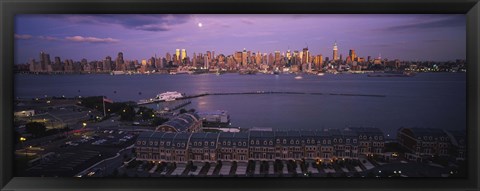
(335, 51)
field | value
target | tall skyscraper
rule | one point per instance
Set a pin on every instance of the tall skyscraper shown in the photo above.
(107, 64)
(183, 54)
(306, 56)
(119, 63)
(44, 61)
(168, 57)
(289, 54)
(335, 51)
(244, 57)
(352, 54)
(177, 54)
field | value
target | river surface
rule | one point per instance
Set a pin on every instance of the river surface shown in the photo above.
(433, 100)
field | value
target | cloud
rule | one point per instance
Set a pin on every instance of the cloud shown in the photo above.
(48, 38)
(23, 36)
(135, 22)
(91, 39)
(429, 23)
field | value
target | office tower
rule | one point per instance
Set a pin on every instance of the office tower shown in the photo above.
(318, 61)
(244, 57)
(168, 57)
(44, 61)
(57, 65)
(107, 64)
(209, 56)
(258, 58)
(206, 63)
(289, 55)
(183, 54)
(213, 55)
(238, 57)
(84, 65)
(177, 54)
(335, 51)
(119, 63)
(277, 57)
(194, 60)
(352, 55)
(306, 56)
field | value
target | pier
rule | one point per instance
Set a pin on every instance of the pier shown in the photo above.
(150, 101)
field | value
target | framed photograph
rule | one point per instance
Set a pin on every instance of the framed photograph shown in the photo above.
(255, 95)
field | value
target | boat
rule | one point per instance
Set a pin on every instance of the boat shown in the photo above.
(320, 74)
(298, 77)
(168, 96)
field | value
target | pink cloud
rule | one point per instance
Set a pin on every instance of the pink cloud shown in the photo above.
(91, 39)
(23, 36)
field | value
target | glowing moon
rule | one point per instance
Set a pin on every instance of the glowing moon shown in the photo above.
(200, 25)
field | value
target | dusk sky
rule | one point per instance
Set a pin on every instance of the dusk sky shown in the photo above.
(405, 37)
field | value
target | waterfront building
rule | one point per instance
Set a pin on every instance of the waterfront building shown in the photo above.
(261, 145)
(371, 141)
(202, 147)
(325, 145)
(424, 142)
(264, 145)
(289, 145)
(351, 144)
(186, 122)
(179, 146)
(459, 143)
(233, 146)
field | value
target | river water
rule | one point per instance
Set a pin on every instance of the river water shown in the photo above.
(433, 100)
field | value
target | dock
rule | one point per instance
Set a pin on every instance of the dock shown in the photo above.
(150, 101)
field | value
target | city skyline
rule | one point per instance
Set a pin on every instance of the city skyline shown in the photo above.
(404, 37)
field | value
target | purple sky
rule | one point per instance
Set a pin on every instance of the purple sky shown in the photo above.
(405, 37)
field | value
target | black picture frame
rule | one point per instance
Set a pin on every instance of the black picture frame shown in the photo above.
(9, 8)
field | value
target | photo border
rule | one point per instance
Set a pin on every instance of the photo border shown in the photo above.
(9, 8)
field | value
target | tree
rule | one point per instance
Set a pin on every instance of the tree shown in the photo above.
(128, 113)
(36, 129)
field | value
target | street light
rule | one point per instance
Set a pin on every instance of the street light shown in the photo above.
(23, 139)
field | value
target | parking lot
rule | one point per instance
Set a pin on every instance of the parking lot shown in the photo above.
(77, 152)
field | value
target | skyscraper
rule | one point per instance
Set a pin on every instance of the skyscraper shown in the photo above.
(352, 54)
(244, 57)
(44, 61)
(335, 51)
(306, 56)
(177, 54)
(107, 64)
(183, 54)
(119, 63)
